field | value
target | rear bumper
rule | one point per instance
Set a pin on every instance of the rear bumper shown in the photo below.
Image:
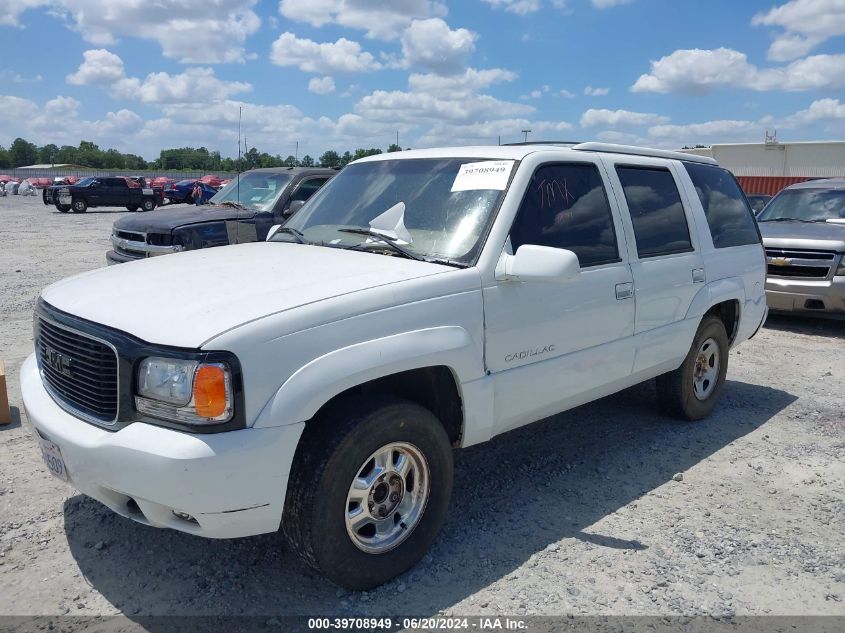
(825, 296)
(232, 484)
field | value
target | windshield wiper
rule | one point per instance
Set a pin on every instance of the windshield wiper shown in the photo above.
(791, 220)
(298, 235)
(232, 203)
(390, 241)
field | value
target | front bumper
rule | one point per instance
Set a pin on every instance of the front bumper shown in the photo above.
(826, 296)
(115, 257)
(233, 484)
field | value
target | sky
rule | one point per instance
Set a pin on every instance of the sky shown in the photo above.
(141, 76)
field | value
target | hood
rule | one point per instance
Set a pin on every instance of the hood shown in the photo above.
(187, 298)
(814, 235)
(165, 220)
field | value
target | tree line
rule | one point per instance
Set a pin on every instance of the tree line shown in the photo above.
(21, 153)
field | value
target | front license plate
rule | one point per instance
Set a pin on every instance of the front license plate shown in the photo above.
(53, 458)
(64, 199)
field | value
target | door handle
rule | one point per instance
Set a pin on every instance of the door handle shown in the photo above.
(698, 276)
(625, 291)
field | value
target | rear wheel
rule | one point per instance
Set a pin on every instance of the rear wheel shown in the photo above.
(79, 205)
(148, 205)
(691, 391)
(368, 490)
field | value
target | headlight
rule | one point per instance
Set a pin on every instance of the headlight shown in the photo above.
(185, 390)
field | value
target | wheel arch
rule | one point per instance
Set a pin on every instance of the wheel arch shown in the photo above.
(427, 366)
(723, 298)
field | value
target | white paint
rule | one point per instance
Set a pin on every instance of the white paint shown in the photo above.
(523, 337)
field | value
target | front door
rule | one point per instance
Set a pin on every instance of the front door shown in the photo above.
(550, 346)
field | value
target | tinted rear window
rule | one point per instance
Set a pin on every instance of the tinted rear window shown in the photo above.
(660, 224)
(730, 219)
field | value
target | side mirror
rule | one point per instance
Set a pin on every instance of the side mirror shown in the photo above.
(539, 263)
(94, 184)
(292, 208)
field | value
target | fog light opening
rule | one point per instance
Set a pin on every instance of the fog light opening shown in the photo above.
(814, 304)
(184, 516)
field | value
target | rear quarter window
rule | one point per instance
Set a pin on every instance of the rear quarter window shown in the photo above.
(729, 217)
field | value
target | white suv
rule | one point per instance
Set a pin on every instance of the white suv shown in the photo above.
(421, 301)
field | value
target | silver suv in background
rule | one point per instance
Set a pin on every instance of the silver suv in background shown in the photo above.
(803, 230)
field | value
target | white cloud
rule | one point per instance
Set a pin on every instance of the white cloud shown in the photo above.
(191, 31)
(342, 56)
(100, 67)
(489, 132)
(596, 92)
(420, 108)
(380, 20)
(103, 68)
(7, 74)
(10, 10)
(805, 25)
(431, 44)
(696, 71)
(565, 93)
(519, 7)
(620, 118)
(822, 110)
(459, 86)
(607, 4)
(321, 85)
(534, 94)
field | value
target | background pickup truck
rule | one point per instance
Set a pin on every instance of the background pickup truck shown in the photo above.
(240, 212)
(102, 192)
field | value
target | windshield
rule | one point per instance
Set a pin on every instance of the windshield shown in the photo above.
(437, 209)
(85, 182)
(810, 205)
(257, 190)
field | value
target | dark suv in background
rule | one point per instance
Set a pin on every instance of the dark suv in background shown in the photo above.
(243, 211)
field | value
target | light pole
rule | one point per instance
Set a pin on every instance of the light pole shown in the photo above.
(526, 132)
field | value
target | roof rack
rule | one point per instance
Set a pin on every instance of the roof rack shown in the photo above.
(567, 143)
(642, 151)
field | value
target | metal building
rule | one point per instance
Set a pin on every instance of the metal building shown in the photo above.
(769, 167)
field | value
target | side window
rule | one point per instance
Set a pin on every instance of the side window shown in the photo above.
(730, 219)
(566, 206)
(660, 225)
(308, 188)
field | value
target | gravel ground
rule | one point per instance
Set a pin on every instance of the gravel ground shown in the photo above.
(607, 509)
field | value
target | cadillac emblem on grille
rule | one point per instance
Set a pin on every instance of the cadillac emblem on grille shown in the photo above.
(58, 361)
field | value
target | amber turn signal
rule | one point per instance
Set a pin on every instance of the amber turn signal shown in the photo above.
(210, 397)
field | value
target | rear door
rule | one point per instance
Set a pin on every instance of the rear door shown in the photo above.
(665, 258)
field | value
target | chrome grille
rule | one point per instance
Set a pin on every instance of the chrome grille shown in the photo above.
(806, 264)
(79, 371)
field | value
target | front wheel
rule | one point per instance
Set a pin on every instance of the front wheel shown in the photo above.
(148, 205)
(132, 207)
(79, 206)
(63, 208)
(691, 391)
(368, 490)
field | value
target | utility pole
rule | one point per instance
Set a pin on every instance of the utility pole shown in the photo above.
(526, 132)
(397, 138)
(296, 153)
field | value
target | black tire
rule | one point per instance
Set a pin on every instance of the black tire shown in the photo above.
(675, 389)
(331, 452)
(132, 207)
(63, 208)
(79, 205)
(148, 205)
